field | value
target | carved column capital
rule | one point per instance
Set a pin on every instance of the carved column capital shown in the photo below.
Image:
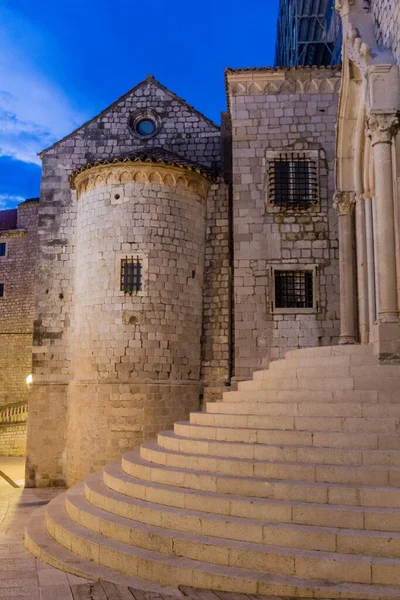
(344, 202)
(381, 127)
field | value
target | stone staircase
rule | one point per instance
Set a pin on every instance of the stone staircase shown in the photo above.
(288, 487)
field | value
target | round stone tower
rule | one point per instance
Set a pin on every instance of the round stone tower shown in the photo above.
(139, 263)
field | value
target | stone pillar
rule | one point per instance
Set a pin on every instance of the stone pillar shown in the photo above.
(344, 204)
(386, 334)
(362, 272)
(369, 230)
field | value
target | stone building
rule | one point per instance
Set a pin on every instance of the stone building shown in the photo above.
(188, 259)
(175, 257)
(18, 248)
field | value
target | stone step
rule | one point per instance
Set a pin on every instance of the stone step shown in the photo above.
(358, 441)
(335, 371)
(310, 396)
(175, 570)
(48, 550)
(318, 472)
(389, 425)
(331, 493)
(306, 409)
(351, 349)
(119, 487)
(324, 361)
(321, 383)
(268, 452)
(202, 536)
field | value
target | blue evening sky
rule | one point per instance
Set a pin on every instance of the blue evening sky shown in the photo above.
(62, 62)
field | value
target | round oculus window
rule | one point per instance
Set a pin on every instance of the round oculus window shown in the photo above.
(145, 127)
(145, 123)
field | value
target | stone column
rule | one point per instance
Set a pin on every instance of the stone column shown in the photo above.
(344, 204)
(382, 127)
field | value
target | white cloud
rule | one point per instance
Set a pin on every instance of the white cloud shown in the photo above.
(34, 112)
(10, 201)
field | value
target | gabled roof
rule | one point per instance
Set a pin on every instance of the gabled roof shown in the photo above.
(151, 155)
(149, 78)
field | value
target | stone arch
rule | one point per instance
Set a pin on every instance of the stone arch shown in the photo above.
(254, 89)
(140, 177)
(155, 177)
(125, 177)
(169, 180)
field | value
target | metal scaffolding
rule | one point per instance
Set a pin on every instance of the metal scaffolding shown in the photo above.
(309, 33)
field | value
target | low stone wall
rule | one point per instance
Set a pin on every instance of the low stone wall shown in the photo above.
(13, 426)
(13, 439)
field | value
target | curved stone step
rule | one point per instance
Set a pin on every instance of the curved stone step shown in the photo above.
(174, 570)
(168, 522)
(280, 453)
(291, 437)
(318, 472)
(385, 497)
(119, 487)
(367, 441)
(389, 425)
(325, 361)
(379, 382)
(336, 371)
(316, 352)
(47, 549)
(307, 409)
(309, 396)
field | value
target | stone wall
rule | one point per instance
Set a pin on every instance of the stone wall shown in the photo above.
(135, 357)
(13, 439)
(216, 306)
(17, 273)
(387, 23)
(183, 131)
(278, 110)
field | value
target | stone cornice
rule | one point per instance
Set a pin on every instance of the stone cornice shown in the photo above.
(7, 233)
(307, 81)
(382, 126)
(141, 173)
(344, 202)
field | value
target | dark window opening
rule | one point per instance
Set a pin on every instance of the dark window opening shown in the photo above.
(293, 289)
(131, 275)
(3, 248)
(293, 181)
(1, 290)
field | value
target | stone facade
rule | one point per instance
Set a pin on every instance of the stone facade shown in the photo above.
(234, 274)
(275, 113)
(17, 274)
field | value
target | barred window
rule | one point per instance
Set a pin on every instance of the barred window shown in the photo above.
(3, 249)
(131, 275)
(294, 289)
(1, 290)
(293, 181)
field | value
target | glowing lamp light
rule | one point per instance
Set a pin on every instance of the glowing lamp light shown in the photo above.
(29, 380)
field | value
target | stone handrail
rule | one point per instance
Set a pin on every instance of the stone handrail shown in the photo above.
(14, 413)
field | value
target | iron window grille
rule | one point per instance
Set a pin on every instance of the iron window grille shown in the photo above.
(294, 289)
(3, 249)
(293, 181)
(1, 290)
(131, 275)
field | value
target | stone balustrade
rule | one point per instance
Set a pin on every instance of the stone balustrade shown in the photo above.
(14, 413)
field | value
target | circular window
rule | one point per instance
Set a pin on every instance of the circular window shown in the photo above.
(145, 127)
(145, 123)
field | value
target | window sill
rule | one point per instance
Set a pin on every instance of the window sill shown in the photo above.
(294, 311)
